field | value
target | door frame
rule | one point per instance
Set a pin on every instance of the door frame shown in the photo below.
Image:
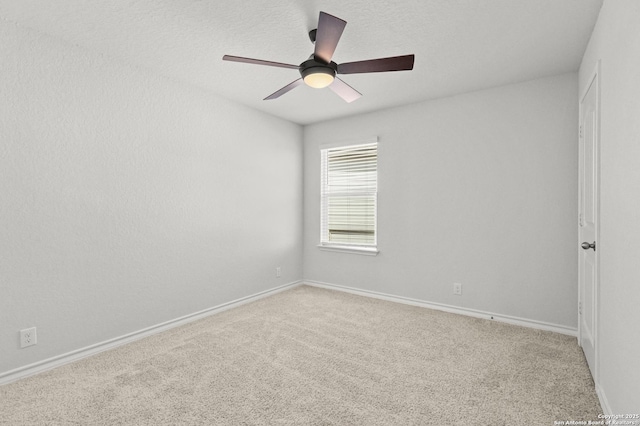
(594, 78)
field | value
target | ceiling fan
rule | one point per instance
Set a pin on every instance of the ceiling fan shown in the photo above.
(320, 71)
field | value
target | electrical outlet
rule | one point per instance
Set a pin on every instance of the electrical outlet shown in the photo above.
(457, 289)
(28, 337)
(278, 272)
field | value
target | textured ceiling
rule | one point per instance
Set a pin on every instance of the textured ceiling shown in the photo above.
(460, 45)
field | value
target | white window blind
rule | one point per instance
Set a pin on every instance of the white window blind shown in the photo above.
(349, 195)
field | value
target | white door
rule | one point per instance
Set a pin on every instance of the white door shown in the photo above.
(588, 223)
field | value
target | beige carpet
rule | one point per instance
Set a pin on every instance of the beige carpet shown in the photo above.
(314, 356)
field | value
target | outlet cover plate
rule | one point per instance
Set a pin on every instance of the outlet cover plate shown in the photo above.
(28, 337)
(457, 289)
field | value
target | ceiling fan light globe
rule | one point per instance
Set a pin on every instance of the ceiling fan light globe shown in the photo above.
(317, 75)
(318, 80)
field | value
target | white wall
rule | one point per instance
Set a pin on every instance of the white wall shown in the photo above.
(479, 189)
(127, 199)
(616, 42)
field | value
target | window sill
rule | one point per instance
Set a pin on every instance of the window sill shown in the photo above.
(366, 251)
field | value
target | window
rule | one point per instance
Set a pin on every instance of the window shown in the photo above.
(349, 193)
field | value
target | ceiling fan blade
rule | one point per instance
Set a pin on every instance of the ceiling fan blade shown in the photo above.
(258, 62)
(346, 92)
(329, 31)
(395, 63)
(284, 90)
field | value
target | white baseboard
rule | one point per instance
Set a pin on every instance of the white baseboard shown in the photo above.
(604, 403)
(59, 360)
(539, 325)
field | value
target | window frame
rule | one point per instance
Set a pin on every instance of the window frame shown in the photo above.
(363, 249)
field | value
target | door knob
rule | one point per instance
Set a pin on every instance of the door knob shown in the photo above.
(588, 246)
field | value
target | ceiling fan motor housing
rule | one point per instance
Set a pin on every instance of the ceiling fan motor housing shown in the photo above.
(314, 66)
